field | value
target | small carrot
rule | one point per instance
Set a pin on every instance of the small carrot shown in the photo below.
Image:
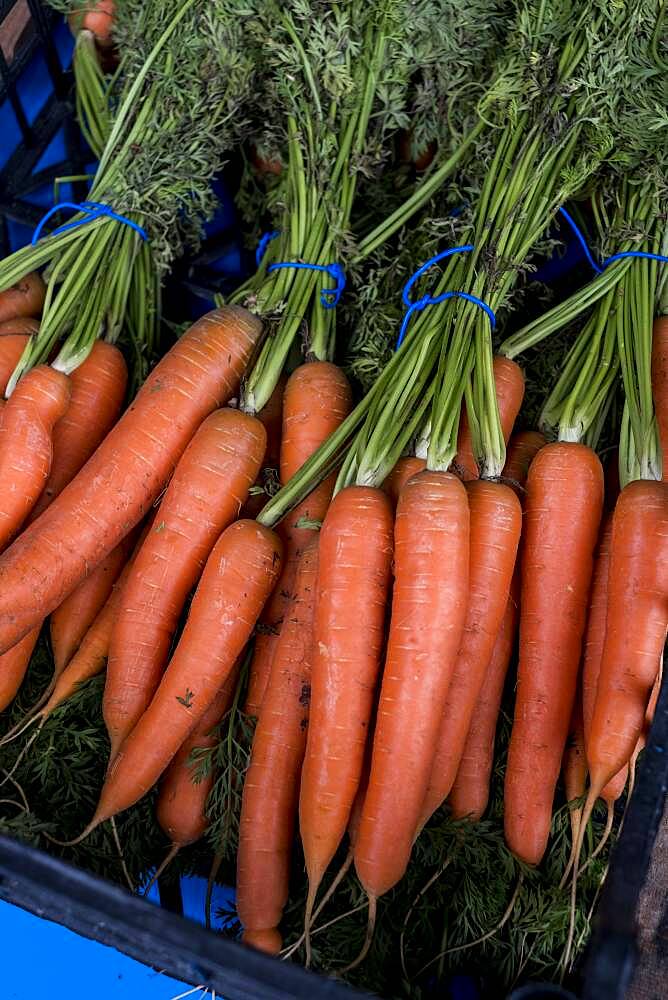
(660, 384)
(25, 298)
(271, 786)
(404, 470)
(96, 17)
(509, 382)
(355, 555)
(13, 666)
(12, 347)
(97, 391)
(206, 493)
(564, 501)
(574, 767)
(127, 472)
(431, 540)
(26, 448)
(316, 401)
(237, 579)
(24, 326)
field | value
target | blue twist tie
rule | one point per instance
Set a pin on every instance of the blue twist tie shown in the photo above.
(599, 268)
(263, 244)
(94, 210)
(329, 297)
(434, 300)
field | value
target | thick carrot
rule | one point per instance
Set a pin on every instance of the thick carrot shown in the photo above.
(127, 472)
(12, 347)
(26, 448)
(13, 666)
(271, 787)
(237, 579)
(660, 384)
(206, 493)
(564, 502)
(97, 392)
(355, 556)
(70, 622)
(404, 470)
(509, 382)
(431, 540)
(25, 298)
(316, 401)
(21, 325)
(495, 527)
(470, 792)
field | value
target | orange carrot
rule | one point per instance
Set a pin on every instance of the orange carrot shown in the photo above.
(404, 470)
(271, 417)
(127, 472)
(97, 392)
(13, 666)
(316, 401)
(206, 493)
(12, 347)
(25, 298)
(355, 556)
(26, 449)
(495, 526)
(72, 619)
(564, 501)
(660, 384)
(522, 449)
(574, 766)
(431, 539)
(96, 17)
(509, 382)
(237, 579)
(20, 325)
(271, 787)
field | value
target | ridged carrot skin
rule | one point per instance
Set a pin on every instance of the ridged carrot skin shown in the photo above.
(12, 347)
(13, 666)
(431, 545)
(660, 384)
(271, 786)
(404, 470)
(127, 472)
(206, 493)
(495, 527)
(20, 325)
(25, 298)
(317, 400)
(26, 447)
(637, 622)
(70, 622)
(564, 502)
(97, 392)
(355, 555)
(509, 382)
(237, 579)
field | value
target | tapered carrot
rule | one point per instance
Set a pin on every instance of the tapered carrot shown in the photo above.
(237, 579)
(206, 493)
(509, 382)
(660, 384)
(97, 391)
(355, 555)
(26, 448)
(404, 470)
(271, 787)
(25, 298)
(21, 325)
(126, 473)
(495, 526)
(317, 399)
(12, 347)
(574, 767)
(13, 666)
(431, 540)
(564, 502)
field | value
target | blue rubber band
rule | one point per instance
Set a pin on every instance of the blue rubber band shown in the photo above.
(434, 300)
(599, 268)
(94, 210)
(263, 244)
(329, 297)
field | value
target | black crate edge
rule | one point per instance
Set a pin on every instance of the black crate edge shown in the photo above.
(97, 909)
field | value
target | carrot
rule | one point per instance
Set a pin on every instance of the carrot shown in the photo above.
(660, 384)
(97, 391)
(522, 449)
(509, 382)
(72, 619)
(404, 470)
(355, 556)
(431, 540)
(126, 473)
(26, 449)
(206, 493)
(271, 418)
(12, 347)
(19, 326)
(25, 298)
(495, 526)
(96, 17)
(237, 579)
(574, 766)
(13, 666)
(316, 401)
(564, 501)
(271, 787)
